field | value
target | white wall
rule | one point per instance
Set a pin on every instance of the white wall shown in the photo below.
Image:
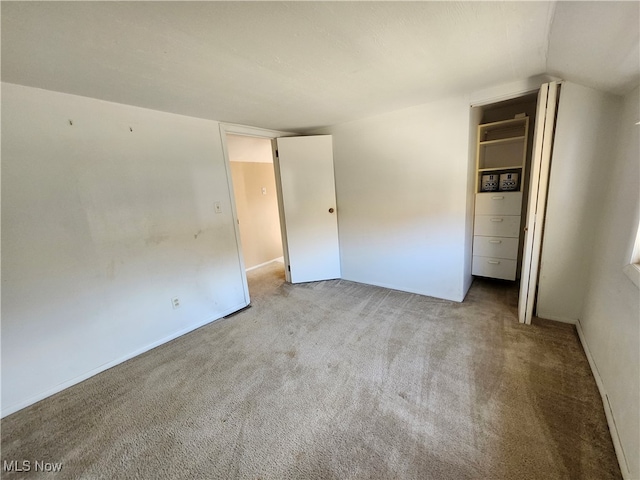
(101, 227)
(585, 137)
(610, 318)
(591, 226)
(402, 188)
(254, 188)
(256, 199)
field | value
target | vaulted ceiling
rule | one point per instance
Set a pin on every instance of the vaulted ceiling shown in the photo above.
(298, 65)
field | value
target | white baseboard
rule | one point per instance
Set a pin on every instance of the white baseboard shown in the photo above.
(279, 259)
(617, 445)
(400, 288)
(58, 388)
(556, 318)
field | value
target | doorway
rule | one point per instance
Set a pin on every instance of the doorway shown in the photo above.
(256, 200)
(304, 185)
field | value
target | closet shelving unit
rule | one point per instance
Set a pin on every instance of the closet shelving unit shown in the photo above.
(501, 149)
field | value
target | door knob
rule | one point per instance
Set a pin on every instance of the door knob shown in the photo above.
(331, 210)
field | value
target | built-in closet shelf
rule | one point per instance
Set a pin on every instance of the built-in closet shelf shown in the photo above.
(497, 169)
(501, 150)
(503, 140)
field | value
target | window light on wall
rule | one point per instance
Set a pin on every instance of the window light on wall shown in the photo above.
(633, 269)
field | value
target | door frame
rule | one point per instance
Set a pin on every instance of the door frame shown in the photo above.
(247, 131)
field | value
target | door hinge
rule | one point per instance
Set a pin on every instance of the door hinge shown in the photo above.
(277, 153)
(289, 267)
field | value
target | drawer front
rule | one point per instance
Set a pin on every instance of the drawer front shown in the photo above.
(497, 225)
(499, 203)
(494, 267)
(500, 247)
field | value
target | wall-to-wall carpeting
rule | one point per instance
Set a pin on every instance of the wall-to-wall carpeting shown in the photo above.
(335, 380)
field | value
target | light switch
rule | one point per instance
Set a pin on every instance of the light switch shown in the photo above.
(217, 207)
(264, 190)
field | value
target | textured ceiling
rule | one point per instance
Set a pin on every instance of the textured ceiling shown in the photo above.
(596, 44)
(298, 65)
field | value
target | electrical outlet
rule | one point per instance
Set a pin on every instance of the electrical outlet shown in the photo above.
(217, 207)
(175, 302)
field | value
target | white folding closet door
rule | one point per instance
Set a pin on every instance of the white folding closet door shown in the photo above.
(538, 186)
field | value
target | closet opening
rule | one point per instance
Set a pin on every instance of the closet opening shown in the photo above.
(513, 147)
(503, 146)
(503, 167)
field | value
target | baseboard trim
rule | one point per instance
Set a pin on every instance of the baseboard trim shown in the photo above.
(556, 318)
(279, 259)
(617, 445)
(400, 288)
(74, 381)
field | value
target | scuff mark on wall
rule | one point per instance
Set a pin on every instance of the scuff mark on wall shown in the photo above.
(156, 239)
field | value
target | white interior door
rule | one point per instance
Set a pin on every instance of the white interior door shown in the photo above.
(541, 162)
(304, 172)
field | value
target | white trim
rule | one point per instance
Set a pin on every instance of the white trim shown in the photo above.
(556, 318)
(279, 259)
(538, 187)
(509, 91)
(400, 288)
(281, 215)
(234, 211)
(248, 131)
(617, 445)
(69, 383)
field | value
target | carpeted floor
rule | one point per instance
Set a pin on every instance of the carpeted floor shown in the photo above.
(335, 380)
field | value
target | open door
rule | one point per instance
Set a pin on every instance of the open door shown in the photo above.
(541, 162)
(306, 184)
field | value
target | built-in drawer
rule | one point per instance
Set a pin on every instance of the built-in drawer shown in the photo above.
(497, 225)
(501, 247)
(498, 203)
(494, 267)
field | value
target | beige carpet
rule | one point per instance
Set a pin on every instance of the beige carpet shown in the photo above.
(335, 380)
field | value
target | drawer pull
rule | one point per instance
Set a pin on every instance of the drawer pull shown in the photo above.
(495, 241)
(497, 219)
(497, 198)
(493, 262)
